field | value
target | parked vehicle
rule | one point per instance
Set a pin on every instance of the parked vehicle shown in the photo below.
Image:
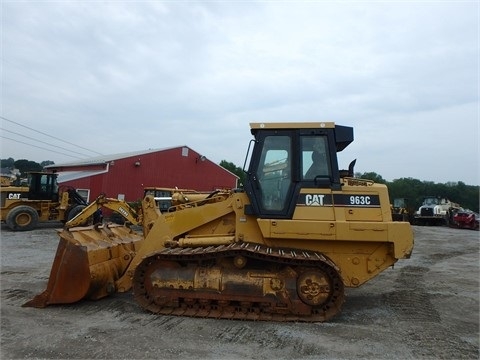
(436, 211)
(24, 207)
(283, 248)
(401, 210)
(466, 219)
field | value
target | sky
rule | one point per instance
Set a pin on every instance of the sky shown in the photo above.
(83, 78)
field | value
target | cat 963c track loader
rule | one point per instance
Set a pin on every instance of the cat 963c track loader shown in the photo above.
(283, 248)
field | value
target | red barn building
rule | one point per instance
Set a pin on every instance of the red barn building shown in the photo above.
(124, 176)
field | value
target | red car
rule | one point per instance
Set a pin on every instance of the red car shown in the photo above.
(466, 219)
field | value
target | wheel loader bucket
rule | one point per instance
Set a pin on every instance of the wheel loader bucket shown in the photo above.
(87, 263)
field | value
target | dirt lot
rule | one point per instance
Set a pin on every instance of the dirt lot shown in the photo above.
(426, 307)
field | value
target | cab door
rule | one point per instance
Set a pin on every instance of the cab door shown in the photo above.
(43, 186)
(270, 182)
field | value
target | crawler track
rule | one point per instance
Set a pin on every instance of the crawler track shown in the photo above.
(240, 281)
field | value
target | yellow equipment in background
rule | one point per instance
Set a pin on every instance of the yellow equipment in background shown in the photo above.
(24, 207)
(401, 210)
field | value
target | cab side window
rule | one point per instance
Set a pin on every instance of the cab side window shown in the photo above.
(44, 183)
(315, 160)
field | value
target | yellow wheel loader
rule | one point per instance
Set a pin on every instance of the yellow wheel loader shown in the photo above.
(283, 248)
(24, 207)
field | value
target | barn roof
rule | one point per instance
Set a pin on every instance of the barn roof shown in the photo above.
(66, 175)
(103, 159)
(75, 175)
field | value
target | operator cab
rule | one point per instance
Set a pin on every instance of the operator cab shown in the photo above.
(287, 157)
(42, 186)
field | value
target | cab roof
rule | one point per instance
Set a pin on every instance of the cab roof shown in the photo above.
(292, 125)
(343, 134)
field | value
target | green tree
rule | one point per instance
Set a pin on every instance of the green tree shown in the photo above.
(235, 170)
(26, 166)
(408, 188)
(415, 190)
(374, 177)
(7, 163)
(46, 163)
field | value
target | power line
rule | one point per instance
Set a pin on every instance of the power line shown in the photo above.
(53, 137)
(39, 147)
(43, 142)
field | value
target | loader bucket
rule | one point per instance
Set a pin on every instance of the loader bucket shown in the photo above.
(87, 263)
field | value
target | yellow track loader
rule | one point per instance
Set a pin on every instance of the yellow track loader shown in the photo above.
(283, 248)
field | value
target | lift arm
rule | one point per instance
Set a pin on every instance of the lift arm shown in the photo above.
(103, 202)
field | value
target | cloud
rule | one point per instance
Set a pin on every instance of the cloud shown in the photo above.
(156, 74)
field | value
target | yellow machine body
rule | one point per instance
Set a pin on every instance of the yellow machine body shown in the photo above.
(244, 253)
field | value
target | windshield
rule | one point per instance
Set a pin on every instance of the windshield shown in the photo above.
(431, 201)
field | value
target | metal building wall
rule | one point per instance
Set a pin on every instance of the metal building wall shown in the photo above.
(179, 167)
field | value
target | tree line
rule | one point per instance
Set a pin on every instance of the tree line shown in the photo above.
(23, 165)
(413, 190)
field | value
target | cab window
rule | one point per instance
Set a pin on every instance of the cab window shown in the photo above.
(315, 160)
(274, 172)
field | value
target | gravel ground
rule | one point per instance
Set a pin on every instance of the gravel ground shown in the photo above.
(426, 307)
